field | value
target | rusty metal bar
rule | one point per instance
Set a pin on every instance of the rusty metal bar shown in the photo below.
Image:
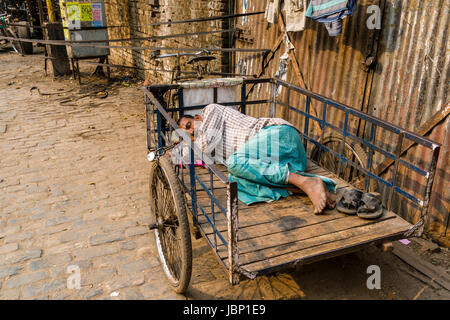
(233, 233)
(398, 151)
(373, 130)
(70, 43)
(193, 20)
(169, 36)
(344, 137)
(211, 182)
(432, 174)
(272, 106)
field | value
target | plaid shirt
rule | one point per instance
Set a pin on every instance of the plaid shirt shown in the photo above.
(225, 129)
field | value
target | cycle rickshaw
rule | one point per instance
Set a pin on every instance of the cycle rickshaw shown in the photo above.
(249, 241)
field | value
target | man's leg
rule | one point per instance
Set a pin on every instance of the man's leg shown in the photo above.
(256, 163)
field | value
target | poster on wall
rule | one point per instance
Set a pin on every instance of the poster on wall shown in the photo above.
(86, 12)
(73, 15)
(97, 17)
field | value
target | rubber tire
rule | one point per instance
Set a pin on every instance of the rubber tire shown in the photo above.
(186, 246)
(23, 31)
(356, 149)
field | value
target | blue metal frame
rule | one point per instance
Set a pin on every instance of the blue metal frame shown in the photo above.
(374, 122)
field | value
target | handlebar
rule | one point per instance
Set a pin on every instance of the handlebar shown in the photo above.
(157, 55)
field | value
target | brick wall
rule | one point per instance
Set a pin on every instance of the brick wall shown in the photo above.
(133, 15)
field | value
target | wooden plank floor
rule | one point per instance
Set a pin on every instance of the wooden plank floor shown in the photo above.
(275, 234)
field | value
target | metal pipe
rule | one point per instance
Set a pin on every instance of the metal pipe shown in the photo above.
(233, 232)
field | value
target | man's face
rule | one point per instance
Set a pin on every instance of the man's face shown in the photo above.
(187, 124)
(190, 124)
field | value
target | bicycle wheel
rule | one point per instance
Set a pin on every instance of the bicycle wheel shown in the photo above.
(353, 152)
(171, 224)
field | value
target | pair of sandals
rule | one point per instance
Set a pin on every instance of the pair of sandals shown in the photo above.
(365, 205)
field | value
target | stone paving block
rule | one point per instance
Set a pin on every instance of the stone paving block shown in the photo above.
(132, 294)
(24, 279)
(9, 271)
(97, 276)
(155, 289)
(9, 230)
(51, 230)
(62, 295)
(87, 293)
(18, 237)
(77, 235)
(119, 225)
(130, 232)
(137, 266)
(106, 238)
(13, 294)
(20, 256)
(10, 247)
(50, 261)
(129, 280)
(88, 223)
(89, 253)
(127, 245)
(43, 288)
(61, 219)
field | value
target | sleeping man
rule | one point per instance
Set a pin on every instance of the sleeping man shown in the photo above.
(265, 156)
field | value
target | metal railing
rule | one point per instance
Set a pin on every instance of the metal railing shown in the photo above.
(374, 123)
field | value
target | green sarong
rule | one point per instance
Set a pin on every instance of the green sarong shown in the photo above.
(260, 167)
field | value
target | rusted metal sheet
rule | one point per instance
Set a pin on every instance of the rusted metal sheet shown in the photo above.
(409, 83)
(332, 66)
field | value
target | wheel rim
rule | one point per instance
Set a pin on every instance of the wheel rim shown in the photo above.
(330, 162)
(168, 240)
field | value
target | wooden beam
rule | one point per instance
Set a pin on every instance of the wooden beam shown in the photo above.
(421, 265)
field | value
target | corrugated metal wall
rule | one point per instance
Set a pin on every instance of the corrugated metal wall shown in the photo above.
(407, 86)
(411, 84)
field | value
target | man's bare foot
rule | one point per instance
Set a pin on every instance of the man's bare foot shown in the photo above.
(314, 187)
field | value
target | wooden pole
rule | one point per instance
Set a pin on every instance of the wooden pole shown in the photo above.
(51, 11)
(54, 31)
(41, 12)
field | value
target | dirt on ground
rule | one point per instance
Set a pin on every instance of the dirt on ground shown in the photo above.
(74, 191)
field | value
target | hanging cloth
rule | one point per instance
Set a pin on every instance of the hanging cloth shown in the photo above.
(272, 11)
(295, 15)
(331, 13)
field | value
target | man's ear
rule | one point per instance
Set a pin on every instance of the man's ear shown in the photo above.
(198, 117)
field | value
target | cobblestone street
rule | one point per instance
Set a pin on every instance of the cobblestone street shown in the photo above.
(74, 192)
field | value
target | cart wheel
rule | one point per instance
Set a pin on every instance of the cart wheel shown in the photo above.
(171, 224)
(352, 151)
(23, 31)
